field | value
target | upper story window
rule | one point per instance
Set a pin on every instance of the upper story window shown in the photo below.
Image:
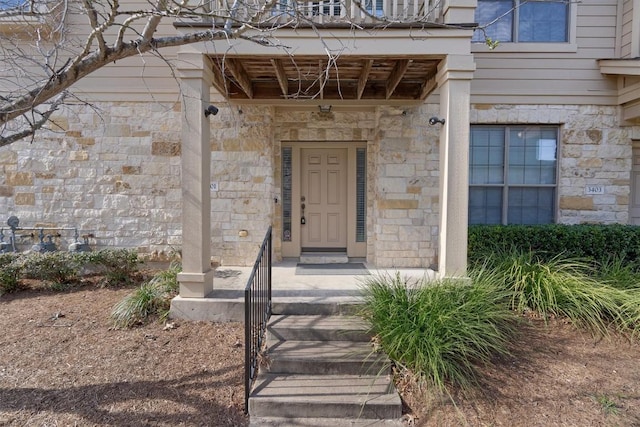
(512, 174)
(13, 4)
(522, 21)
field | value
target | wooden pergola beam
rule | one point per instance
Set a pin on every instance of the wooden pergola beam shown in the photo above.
(428, 87)
(241, 76)
(322, 76)
(396, 76)
(219, 82)
(281, 75)
(364, 76)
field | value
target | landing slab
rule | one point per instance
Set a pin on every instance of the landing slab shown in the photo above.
(291, 293)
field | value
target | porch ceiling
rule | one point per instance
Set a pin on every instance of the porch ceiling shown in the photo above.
(247, 78)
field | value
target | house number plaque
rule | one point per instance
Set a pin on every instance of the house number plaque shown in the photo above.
(594, 189)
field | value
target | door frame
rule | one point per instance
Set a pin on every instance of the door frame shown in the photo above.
(293, 247)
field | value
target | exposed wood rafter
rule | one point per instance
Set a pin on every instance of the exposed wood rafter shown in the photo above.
(396, 76)
(219, 82)
(428, 87)
(322, 77)
(241, 76)
(364, 77)
(281, 75)
(347, 77)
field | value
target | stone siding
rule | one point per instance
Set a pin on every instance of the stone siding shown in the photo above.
(594, 151)
(114, 173)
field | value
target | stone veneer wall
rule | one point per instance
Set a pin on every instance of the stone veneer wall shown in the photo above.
(402, 175)
(242, 163)
(115, 173)
(406, 188)
(594, 151)
(112, 171)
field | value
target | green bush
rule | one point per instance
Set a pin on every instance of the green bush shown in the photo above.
(590, 241)
(440, 331)
(56, 268)
(117, 265)
(150, 299)
(10, 272)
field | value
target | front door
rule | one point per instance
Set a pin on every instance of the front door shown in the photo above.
(323, 199)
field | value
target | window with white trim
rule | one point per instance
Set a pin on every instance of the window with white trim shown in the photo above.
(13, 4)
(512, 174)
(522, 21)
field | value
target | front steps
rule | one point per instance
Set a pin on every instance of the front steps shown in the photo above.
(320, 370)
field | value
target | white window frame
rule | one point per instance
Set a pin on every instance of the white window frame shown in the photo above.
(569, 46)
(506, 185)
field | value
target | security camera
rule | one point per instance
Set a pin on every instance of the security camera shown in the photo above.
(211, 109)
(434, 120)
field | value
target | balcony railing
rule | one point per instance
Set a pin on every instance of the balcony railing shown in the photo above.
(327, 12)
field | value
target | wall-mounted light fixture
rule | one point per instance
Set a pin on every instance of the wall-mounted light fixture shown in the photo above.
(324, 108)
(433, 120)
(211, 109)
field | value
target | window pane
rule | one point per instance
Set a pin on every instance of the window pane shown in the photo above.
(361, 195)
(486, 157)
(500, 11)
(542, 21)
(530, 206)
(286, 193)
(10, 4)
(485, 205)
(532, 155)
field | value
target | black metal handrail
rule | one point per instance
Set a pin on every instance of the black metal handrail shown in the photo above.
(257, 311)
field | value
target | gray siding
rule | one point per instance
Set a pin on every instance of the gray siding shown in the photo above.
(538, 77)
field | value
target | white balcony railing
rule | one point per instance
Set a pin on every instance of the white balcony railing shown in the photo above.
(360, 12)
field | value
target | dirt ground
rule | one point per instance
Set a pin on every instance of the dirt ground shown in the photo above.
(61, 364)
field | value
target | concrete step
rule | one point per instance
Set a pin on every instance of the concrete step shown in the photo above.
(321, 422)
(324, 258)
(317, 328)
(326, 357)
(325, 396)
(325, 306)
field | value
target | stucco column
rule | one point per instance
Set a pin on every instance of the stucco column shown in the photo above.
(196, 278)
(454, 80)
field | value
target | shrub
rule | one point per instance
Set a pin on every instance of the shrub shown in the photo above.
(117, 265)
(152, 298)
(440, 331)
(10, 272)
(56, 268)
(590, 241)
(618, 273)
(563, 288)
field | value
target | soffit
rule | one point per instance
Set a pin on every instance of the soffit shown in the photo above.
(258, 78)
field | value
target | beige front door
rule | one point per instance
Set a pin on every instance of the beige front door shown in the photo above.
(634, 202)
(323, 198)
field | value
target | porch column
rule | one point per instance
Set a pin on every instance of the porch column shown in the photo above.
(196, 278)
(454, 80)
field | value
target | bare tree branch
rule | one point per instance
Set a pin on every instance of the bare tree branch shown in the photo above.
(40, 64)
(35, 122)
